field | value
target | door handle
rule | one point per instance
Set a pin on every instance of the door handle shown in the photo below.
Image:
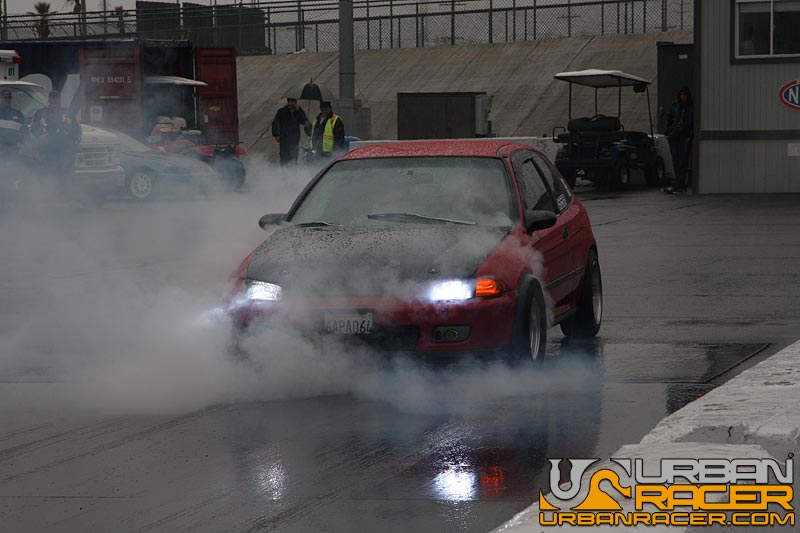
(565, 233)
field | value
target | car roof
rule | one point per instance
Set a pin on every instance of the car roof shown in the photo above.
(437, 148)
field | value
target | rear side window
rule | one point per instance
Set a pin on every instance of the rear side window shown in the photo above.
(532, 189)
(561, 192)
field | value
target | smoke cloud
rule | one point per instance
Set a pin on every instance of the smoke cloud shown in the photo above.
(120, 304)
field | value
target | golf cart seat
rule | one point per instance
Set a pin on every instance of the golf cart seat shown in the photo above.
(599, 123)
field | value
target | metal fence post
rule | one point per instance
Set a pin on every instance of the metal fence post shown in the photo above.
(452, 22)
(391, 23)
(535, 10)
(239, 26)
(644, 16)
(617, 18)
(569, 18)
(491, 21)
(602, 19)
(416, 23)
(514, 20)
(369, 28)
(525, 21)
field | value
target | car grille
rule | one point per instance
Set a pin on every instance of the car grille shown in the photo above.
(97, 156)
(390, 339)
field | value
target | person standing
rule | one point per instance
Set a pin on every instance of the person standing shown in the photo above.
(326, 132)
(680, 131)
(57, 134)
(12, 126)
(286, 130)
(13, 132)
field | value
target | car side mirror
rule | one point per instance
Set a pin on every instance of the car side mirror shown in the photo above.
(536, 219)
(272, 219)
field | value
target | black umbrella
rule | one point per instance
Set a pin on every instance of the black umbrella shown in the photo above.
(312, 91)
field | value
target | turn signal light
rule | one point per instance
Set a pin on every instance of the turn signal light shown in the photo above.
(486, 287)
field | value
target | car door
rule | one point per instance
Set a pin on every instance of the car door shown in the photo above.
(570, 220)
(548, 242)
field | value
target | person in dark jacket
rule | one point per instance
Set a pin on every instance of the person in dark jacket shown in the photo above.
(680, 130)
(12, 126)
(286, 130)
(57, 134)
(326, 132)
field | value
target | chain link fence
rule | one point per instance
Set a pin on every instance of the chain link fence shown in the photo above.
(281, 27)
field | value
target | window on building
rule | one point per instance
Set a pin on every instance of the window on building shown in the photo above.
(767, 28)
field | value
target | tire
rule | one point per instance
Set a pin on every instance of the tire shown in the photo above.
(531, 342)
(232, 172)
(585, 323)
(656, 173)
(621, 176)
(141, 184)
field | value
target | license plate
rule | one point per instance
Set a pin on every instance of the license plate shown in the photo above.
(348, 323)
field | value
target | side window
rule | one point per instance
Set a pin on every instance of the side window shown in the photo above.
(534, 193)
(555, 182)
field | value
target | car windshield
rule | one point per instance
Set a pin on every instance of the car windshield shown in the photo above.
(410, 190)
(129, 144)
(27, 99)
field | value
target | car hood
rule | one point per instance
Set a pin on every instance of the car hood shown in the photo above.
(370, 260)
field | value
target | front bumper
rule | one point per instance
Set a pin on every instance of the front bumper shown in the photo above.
(397, 326)
(102, 182)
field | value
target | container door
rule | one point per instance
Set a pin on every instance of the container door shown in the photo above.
(111, 88)
(218, 107)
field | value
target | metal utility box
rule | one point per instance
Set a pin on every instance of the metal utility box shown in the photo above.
(449, 115)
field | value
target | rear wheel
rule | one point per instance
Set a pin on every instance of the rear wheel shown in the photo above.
(231, 170)
(620, 175)
(589, 315)
(532, 340)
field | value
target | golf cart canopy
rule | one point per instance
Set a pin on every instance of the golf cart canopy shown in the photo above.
(173, 80)
(601, 78)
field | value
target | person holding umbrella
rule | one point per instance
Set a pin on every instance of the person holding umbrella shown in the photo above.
(286, 130)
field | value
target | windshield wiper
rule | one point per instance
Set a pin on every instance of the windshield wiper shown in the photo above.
(414, 217)
(316, 223)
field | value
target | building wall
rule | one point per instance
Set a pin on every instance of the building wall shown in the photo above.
(741, 102)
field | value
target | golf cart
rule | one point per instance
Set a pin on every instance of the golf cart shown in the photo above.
(598, 148)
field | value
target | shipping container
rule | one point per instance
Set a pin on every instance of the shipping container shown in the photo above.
(121, 85)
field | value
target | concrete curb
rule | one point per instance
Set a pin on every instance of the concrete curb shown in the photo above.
(754, 415)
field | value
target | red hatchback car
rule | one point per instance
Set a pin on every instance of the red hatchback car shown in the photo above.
(435, 247)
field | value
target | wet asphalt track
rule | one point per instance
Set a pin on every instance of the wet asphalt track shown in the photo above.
(695, 290)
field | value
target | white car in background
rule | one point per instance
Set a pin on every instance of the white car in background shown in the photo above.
(97, 161)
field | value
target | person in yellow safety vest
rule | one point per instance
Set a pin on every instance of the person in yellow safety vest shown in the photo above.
(326, 132)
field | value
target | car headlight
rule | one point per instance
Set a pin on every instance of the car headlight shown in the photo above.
(450, 290)
(455, 290)
(261, 291)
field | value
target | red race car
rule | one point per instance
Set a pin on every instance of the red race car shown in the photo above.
(434, 247)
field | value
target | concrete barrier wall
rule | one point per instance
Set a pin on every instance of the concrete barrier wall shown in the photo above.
(527, 101)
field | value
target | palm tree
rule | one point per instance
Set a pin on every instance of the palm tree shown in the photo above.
(42, 10)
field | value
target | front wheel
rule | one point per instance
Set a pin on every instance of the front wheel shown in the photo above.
(532, 340)
(141, 184)
(588, 316)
